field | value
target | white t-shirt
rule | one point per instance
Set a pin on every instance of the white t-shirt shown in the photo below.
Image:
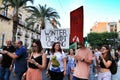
(59, 57)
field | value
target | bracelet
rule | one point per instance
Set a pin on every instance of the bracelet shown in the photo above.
(36, 64)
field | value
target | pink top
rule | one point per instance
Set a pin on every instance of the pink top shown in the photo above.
(82, 69)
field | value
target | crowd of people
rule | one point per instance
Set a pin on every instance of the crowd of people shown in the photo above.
(27, 66)
(75, 64)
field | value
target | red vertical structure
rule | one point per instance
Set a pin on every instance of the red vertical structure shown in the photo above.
(76, 25)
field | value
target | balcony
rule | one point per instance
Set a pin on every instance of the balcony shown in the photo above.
(32, 37)
(27, 35)
(20, 33)
(21, 23)
(26, 44)
(38, 31)
(33, 30)
(6, 16)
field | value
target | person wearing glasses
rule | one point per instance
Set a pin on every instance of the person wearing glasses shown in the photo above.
(36, 62)
(105, 63)
(19, 57)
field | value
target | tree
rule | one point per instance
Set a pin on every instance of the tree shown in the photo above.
(99, 39)
(16, 5)
(40, 14)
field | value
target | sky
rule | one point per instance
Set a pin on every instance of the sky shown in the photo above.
(94, 11)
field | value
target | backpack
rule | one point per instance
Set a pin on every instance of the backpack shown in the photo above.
(113, 67)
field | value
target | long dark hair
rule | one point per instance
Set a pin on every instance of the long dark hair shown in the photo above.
(73, 50)
(109, 52)
(53, 49)
(38, 42)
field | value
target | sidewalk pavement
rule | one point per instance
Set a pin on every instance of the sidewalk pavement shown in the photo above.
(43, 75)
(92, 74)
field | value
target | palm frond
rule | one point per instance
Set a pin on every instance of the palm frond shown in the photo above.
(40, 13)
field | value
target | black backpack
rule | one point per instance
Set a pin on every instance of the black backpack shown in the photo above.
(113, 67)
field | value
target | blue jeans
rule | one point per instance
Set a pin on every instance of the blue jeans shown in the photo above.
(4, 73)
(19, 75)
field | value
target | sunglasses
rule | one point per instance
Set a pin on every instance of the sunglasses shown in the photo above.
(34, 46)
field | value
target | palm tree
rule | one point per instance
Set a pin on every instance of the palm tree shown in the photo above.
(40, 14)
(16, 5)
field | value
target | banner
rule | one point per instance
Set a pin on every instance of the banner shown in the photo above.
(76, 25)
(49, 36)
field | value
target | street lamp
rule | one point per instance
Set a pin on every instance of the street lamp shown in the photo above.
(3, 36)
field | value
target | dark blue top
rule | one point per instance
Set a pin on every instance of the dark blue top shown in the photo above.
(21, 62)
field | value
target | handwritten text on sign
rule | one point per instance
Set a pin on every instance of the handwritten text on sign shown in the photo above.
(49, 36)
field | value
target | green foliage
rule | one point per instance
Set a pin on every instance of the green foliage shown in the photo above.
(99, 39)
(40, 14)
(16, 4)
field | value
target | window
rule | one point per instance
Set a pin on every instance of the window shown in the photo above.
(26, 43)
(37, 36)
(4, 13)
(111, 28)
(18, 38)
(19, 29)
(20, 18)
